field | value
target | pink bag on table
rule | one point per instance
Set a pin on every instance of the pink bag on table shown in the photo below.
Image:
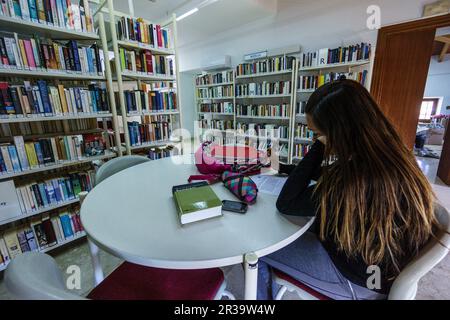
(212, 169)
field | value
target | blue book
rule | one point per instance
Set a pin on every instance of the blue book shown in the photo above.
(33, 10)
(66, 225)
(69, 189)
(43, 193)
(94, 101)
(50, 193)
(64, 10)
(29, 234)
(74, 46)
(14, 158)
(2, 164)
(58, 195)
(17, 10)
(129, 102)
(39, 154)
(90, 60)
(64, 189)
(43, 89)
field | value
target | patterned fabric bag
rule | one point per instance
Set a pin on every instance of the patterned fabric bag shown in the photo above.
(241, 186)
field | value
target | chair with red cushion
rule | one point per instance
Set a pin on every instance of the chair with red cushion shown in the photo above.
(36, 276)
(405, 285)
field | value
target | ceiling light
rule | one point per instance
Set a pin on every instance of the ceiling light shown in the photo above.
(187, 14)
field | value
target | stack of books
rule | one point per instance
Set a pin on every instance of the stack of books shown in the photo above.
(263, 66)
(23, 156)
(215, 92)
(70, 14)
(36, 54)
(40, 234)
(325, 56)
(159, 129)
(223, 107)
(130, 29)
(216, 78)
(146, 62)
(149, 101)
(264, 110)
(263, 89)
(42, 99)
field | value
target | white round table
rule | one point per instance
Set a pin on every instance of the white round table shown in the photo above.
(132, 215)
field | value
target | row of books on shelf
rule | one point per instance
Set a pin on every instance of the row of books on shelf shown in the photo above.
(215, 124)
(159, 129)
(136, 29)
(302, 131)
(40, 234)
(264, 110)
(70, 14)
(274, 64)
(151, 101)
(160, 153)
(223, 107)
(33, 196)
(146, 62)
(300, 150)
(216, 78)
(312, 82)
(264, 88)
(327, 56)
(23, 156)
(262, 130)
(48, 100)
(37, 54)
(215, 92)
(300, 108)
(38, 128)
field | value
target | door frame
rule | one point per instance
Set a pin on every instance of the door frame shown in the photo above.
(380, 68)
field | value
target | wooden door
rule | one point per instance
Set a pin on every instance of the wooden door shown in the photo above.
(400, 71)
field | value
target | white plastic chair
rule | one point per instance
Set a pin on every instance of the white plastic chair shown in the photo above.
(405, 285)
(36, 276)
(107, 170)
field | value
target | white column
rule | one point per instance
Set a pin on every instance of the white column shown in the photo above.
(251, 276)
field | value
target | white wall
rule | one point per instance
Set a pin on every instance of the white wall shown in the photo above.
(438, 82)
(313, 24)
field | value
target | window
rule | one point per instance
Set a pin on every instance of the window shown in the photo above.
(428, 109)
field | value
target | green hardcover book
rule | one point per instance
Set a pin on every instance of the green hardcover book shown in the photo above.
(197, 204)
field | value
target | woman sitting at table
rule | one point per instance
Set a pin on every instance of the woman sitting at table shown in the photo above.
(373, 205)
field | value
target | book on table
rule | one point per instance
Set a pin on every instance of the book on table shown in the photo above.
(197, 203)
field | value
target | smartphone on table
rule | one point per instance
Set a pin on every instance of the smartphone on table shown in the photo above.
(234, 206)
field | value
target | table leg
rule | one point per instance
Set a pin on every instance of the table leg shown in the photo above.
(98, 271)
(251, 276)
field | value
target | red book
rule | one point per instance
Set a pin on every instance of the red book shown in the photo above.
(29, 52)
(149, 62)
(50, 234)
(159, 35)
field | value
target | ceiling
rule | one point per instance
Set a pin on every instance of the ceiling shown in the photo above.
(214, 16)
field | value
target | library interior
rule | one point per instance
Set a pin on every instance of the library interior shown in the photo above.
(224, 150)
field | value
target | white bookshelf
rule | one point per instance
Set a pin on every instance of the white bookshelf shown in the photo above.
(264, 74)
(60, 165)
(38, 118)
(20, 25)
(114, 44)
(56, 246)
(48, 74)
(40, 211)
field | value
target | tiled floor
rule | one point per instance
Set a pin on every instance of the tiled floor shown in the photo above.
(435, 285)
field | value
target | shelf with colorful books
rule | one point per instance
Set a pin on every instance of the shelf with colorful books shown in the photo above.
(62, 164)
(40, 211)
(215, 85)
(35, 118)
(71, 20)
(265, 96)
(146, 53)
(79, 236)
(264, 74)
(48, 74)
(262, 117)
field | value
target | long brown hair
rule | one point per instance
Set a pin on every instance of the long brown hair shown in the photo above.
(374, 199)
